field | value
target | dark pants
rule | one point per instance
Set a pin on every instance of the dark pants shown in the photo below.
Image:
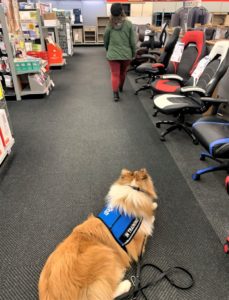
(118, 73)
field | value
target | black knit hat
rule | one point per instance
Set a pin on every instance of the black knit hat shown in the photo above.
(116, 9)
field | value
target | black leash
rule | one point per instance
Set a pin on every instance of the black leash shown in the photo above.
(139, 289)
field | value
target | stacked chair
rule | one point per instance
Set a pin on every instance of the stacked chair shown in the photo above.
(147, 46)
(160, 61)
(195, 97)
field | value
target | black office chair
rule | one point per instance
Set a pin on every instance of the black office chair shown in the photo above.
(213, 134)
(195, 99)
(178, 73)
(162, 38)
(161, 60)
(146, 46)
(209, 33)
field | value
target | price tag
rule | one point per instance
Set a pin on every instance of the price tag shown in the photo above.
(177, 52)
(146, 37)
(200, 68)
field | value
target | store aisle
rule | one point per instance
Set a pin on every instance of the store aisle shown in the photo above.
(69, 148)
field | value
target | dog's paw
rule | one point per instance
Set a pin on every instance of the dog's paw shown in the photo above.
(123, 288)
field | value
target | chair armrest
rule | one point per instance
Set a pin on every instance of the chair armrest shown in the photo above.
(214, 100)
(149, 56)
(158, 65)
(155, 53)
(172, 77)
(190, 89)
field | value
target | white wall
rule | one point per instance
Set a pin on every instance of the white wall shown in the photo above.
(91, 9)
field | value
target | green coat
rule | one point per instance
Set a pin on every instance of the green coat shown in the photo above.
(120, 42)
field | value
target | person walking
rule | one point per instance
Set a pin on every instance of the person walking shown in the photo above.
(120, 44)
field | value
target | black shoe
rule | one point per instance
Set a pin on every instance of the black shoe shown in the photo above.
(121, 89)
(116, 96)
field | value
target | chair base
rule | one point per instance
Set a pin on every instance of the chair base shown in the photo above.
(222, 167)
(179, 124)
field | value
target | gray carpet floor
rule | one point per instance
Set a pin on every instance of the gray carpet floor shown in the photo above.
(69, 148)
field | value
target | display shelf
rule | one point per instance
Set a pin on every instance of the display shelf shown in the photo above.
(65, 32)
(89, 34)
(60, 64)
(102, 23)
(21, 69)
(32, 27)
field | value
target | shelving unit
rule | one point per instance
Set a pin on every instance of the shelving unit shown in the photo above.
(160, 18)
(64, 32)
(77, 34)
(29, 79)
(101, 26)
(218, 18)
(32, 28)
(89, 34)
(6, 134)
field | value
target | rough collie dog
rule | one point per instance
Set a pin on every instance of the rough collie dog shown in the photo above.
(90, 263)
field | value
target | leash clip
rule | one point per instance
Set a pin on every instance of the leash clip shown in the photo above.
(133, 280)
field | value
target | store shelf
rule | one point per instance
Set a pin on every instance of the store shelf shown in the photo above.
(102, 23)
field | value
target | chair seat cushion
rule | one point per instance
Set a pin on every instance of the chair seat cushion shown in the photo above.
(162, 86)
(213, 134)
(170, 103)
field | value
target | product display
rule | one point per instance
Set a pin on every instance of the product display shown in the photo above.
(16, 66)
(64, 31)
(31, 27)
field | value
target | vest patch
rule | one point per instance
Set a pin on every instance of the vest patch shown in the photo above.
(122, 227)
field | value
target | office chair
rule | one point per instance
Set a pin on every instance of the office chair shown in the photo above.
(160, 60)
(146, 46)
(195, 99)
(209, 33)
(213, 134)
(178, 73)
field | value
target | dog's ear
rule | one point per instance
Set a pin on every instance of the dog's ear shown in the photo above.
(144, 174)
(125, 172)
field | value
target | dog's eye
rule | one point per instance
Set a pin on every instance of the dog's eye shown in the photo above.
(144, 177)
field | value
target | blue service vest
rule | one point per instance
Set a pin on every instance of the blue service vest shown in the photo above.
(122, 227)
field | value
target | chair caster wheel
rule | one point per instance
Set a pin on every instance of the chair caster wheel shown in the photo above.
(195, 177)
(154, 114)
(195, 142)
(158, 125)
(162, 139)
(227, 184)
(202, 157)
(136, 93)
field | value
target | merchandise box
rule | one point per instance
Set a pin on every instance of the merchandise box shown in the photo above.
(5, 132)
(50, 16)
(51, 23)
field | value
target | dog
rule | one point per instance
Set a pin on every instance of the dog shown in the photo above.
(90, 264)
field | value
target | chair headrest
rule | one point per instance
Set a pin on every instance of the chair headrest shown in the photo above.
(220, 48)
(197, 37)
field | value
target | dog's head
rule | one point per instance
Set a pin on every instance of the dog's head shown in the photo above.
(134, 192)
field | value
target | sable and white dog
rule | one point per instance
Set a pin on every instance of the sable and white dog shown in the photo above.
(89, 264)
